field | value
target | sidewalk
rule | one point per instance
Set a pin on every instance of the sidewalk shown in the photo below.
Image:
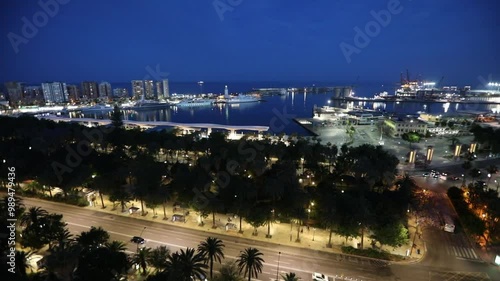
(282, 233)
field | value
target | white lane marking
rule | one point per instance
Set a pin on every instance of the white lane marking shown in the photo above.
(282, 262)
(127, 235)
(179, 246)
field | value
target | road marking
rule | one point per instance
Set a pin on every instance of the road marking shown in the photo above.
(473, 253)
(127, 235)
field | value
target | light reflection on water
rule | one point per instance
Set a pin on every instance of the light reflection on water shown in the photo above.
(263, 112)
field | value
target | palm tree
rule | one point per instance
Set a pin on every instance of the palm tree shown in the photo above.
(250, 262)
(142, 258)
(93, 238)
(212, 249)
(290, 277)
(158, 258)
(22, 263)
(33, 216)
(62, 259)
(116, 246)
(185, 265)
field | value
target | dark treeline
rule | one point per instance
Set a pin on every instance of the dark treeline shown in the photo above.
(351, 191)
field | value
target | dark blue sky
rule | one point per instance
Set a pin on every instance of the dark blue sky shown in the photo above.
(256, 40)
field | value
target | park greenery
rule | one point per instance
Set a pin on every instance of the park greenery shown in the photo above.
(488, 137)
(479, 209)
(350, 191)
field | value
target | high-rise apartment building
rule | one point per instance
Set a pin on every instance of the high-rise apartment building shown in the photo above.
(105, 90)
(166, 89)
(14, 93)
(120, 92)
(137, 89)
(162, 90)
(33, 95)
(89, 90)
(73, 93)
(159, 91)
(149, 89)
(55, 92)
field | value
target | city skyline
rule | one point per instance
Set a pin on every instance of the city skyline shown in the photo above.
(250, 41)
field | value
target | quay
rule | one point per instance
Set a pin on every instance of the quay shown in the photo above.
(466, 101)
(308, 124)
(235, 132)
(338, 91)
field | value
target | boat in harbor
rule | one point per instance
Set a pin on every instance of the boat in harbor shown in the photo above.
(97, 107)
(195, 102)
(230, 99)
(149, 104)
(241, 99)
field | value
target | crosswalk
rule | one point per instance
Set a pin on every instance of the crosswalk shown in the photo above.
(458, 246)
(458, 276)
(462, 252)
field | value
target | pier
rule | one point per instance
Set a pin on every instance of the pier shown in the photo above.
(235, 132)
(337, 91)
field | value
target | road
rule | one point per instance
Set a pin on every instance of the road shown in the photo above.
(301, 261)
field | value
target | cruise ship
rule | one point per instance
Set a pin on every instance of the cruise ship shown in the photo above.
(236, 99)
(195, 102)
(241, 99)
(98, 107)
(148, 104)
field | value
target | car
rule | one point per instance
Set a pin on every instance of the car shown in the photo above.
(137, 240)
(436, 176)
(319, 277)
(425, 175)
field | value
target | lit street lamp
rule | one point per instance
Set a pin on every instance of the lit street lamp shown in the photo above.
(278, 268)
(140, 235)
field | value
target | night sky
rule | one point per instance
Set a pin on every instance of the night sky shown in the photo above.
(250, 40)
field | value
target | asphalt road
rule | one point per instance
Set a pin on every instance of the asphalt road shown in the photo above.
(301, 261)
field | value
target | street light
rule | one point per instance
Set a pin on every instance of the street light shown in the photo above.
(278, 268)
(140, 235)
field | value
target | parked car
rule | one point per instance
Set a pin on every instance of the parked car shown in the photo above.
(425, 175)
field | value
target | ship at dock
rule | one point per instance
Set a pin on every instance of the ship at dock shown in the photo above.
(196, 102)
(236, 99)
(422, 91)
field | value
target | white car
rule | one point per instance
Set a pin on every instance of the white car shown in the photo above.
(319, 277)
